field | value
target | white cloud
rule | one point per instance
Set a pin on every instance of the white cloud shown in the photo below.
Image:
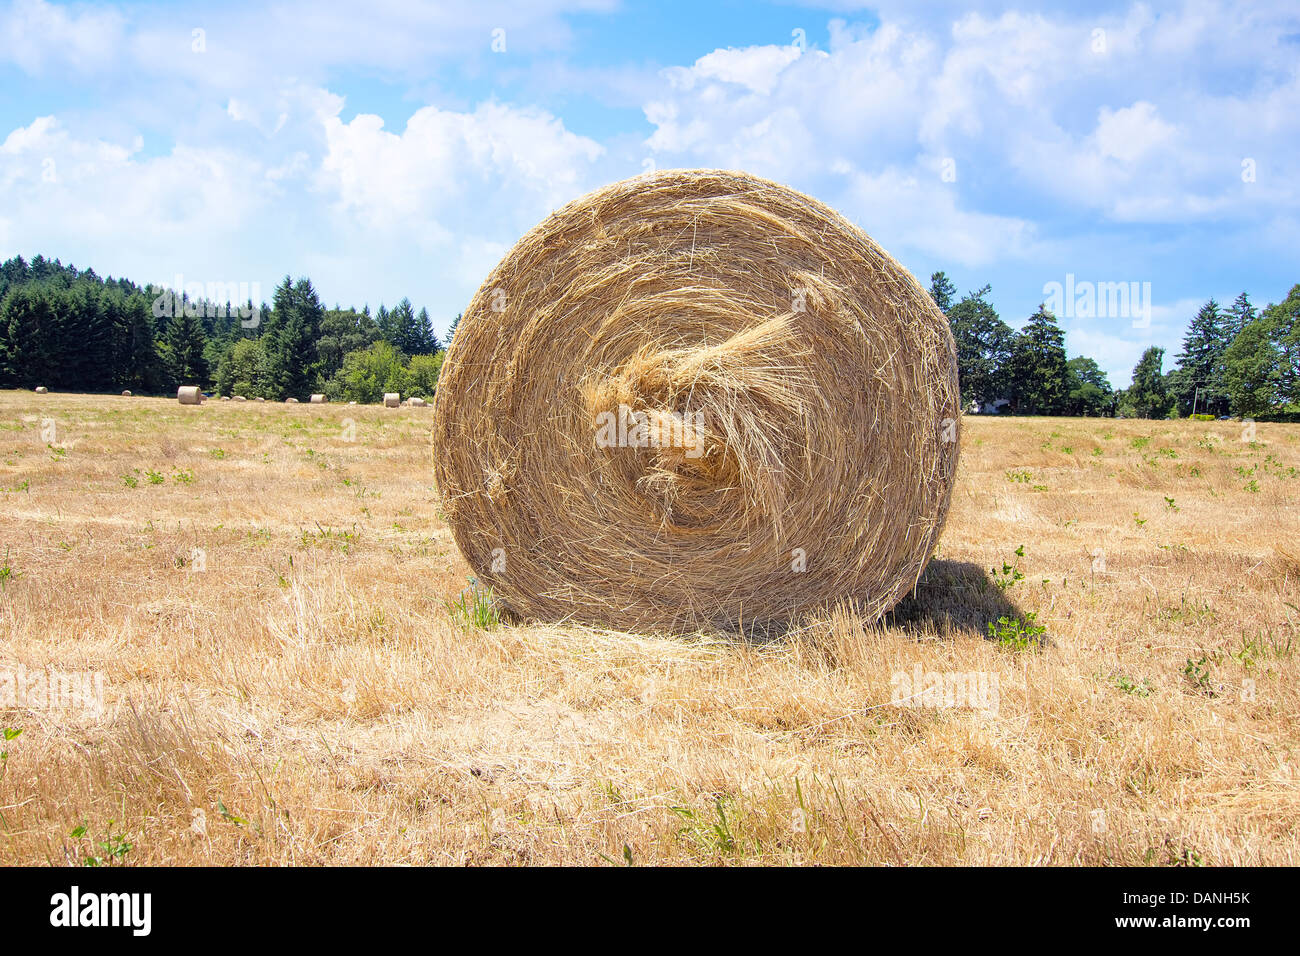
(485, 172)
(39, 37)
(1131, 133)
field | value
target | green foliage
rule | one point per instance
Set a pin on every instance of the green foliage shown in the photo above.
(984, 348)
(367, 374)
(1148, 396)
(1197, 383)
(475, 609)
(1010, 573)
(1038, 375)
(1017, 634)
(246, 370)
(942, 291)
(7, 572)
(1089, 389)
(183, 351)
(422, 374)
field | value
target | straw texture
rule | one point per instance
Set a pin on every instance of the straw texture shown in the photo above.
(696, 398)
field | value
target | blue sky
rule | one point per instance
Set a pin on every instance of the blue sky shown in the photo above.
(394, 151)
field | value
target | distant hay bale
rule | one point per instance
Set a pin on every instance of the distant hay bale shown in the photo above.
(392, 399)
(225, 398)
(259, 399)
(418, 402)
(697, 398)
(42, 390)
(126, 393)
(189, 395)
(291, 401)
(318, 399)
(239, 398)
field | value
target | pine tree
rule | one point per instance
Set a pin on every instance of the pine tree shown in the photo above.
(183, 348)
(1197, 383)
(1148, 394)
(291, 339)
(1038, 373)
(27, 335)
(429, 343)
(942, 290)
(1238, 317)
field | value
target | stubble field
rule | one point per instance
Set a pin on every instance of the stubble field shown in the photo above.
(263, 591)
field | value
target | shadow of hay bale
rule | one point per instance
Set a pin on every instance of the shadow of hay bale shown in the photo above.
(952, 596)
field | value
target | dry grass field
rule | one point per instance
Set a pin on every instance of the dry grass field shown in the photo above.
(264, 590)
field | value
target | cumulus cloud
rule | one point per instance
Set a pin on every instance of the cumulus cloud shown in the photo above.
(482, 172)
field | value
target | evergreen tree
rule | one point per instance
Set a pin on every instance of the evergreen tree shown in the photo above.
(428, 343)
(1038, 373)
(942, 291)
(28, 346)
(984, 347)
(291, 338)
(182, 350)
(1198, 381)
(1240, 315)
(1148, 394)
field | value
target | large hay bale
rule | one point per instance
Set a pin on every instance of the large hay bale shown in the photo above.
(697, 398)
(189, 395)
(392, 399)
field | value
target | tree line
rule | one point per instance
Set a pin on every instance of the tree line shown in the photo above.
(1238, 361)
(71, 330)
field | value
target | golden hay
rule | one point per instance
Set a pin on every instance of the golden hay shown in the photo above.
(697, 398)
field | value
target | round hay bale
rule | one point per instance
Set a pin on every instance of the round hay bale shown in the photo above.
(42, 390)
(392, 399)
(189, 395)
(291, 401)
(239, 398)
(318, 399)
(126, 393)
(697, 398)
(259, 399)
(225, 398)
(418, 403)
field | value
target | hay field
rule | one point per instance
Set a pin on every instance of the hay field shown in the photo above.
(266, 601)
